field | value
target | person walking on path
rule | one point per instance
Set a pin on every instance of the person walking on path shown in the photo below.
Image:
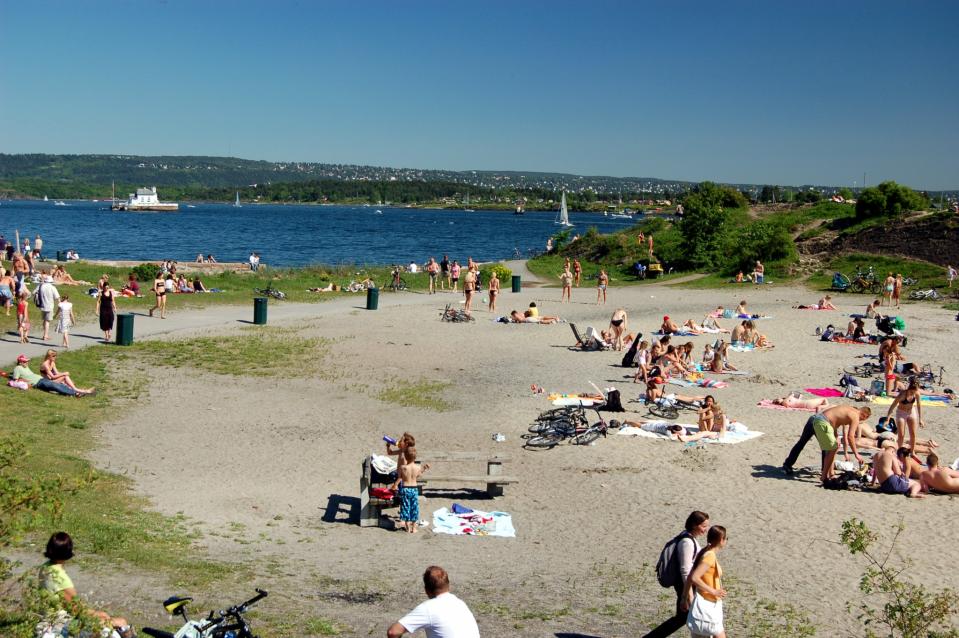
(684, 554)
(897, 289)
(433, 270)
(566, 279)
(445, 272)
(66, 319)
(49, 297)
(442, 616)
(704, 592)
(455, 275)
(159, 289)
(38, 248)
(577, 271)
(20, 270)
(469, 287)
(602, 282)
(106, 310)
(493, 290)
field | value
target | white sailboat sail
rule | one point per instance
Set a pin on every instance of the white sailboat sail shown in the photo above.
(563, 217)
(236, 204)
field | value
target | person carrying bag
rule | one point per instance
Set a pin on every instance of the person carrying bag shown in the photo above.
(705, 617)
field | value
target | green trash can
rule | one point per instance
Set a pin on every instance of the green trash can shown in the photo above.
(372, 298)
(259, 311)
(125, 329)
(60, 256)
(517, 283)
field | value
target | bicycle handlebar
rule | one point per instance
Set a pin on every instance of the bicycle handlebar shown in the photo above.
(236, 610)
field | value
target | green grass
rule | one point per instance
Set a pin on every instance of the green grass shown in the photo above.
(929, 275)
(254, 352)
(549, 267)
(423, 394)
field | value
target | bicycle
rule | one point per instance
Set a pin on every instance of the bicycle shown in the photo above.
(669, 409)
(564, 418)
(909, 281)
(578, 430)
(456, 315)
(923, 295)
(219, 624)
(866, 281)
(865, 370)
(927, 375)
(397, 283)
(270, 291)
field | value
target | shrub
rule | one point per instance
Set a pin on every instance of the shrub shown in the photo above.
(889, 199)
(145, 272)
(501, 270)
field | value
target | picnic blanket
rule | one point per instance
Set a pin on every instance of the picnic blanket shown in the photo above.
(473, 523)
(730, 438)
(767, 403)
(824, 392)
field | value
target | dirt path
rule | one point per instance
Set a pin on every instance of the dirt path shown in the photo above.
(683, 279)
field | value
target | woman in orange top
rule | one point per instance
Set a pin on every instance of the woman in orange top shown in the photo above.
(706, 615)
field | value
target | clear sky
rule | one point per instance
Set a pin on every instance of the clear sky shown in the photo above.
(769, 91)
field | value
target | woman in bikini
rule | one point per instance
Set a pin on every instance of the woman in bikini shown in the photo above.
(711, 417)
(642, 360)
(887, 289)
(159, 288)
(897, 288)
(618, 324)
(48, 370)
(908, 409)
(602, 282)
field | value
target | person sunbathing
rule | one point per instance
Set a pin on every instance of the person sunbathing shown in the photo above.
(673, 431)
(642, 360)
(939, 479)
(61, 276)
(668, 326)
(875, 440)
(872, 310)
(755, 338)
(691, 326)
(891, 476)
(672, 362)
(327, 288)
(711, 325)
(741, 309)
(796, 402)
(516, 317)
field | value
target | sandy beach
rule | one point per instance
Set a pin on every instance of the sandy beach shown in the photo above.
(268, 468)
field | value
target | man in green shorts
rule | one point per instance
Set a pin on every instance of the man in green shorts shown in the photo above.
(824, 426)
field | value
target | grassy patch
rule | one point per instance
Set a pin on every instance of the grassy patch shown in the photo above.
(109, 524)
(929, 275)
(254, 352)
(424, 394)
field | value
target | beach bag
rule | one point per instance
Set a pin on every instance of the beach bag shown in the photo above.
(18, 384)
(384, 493)
(37, 297)
(667, 567)
(705, 617)
(878, 387)
(613, 402)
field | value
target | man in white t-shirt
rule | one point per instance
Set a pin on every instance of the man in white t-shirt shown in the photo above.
(49, 296)
(442, 616)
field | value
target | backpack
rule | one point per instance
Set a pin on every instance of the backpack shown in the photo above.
(667, 567)
(627, 361)
(613, 402)
(827, 333)
(37, 297)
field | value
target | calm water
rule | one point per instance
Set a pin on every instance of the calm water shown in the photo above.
(287, 235)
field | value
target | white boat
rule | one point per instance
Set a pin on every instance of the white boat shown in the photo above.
(45, 198)
(236, 204)
(145, 199)
(563, 217)
(468, 209)
(59, 202)
(621, 216)
(377, 212)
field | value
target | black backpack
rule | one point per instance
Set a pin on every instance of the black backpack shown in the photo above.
(667, 567)
(627, 361)
(613, 402)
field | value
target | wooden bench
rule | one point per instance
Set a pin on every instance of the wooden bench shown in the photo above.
(371, 509)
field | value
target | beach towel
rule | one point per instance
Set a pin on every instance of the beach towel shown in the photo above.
(767, 403)
(927, 402)
(473, 523)
(738, 373)
(742, 348)
(730, 438)
(824, 392)
(681, 333)
(699, 383)
(814, 307)
(849, 341)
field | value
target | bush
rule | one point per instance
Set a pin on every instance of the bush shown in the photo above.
(500, 269)
(889, 199)
(145, 272)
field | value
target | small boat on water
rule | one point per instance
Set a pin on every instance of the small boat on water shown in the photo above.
(59, 202)
(45, 198)
(145, 199)
(519, 210)
(467, 209)
(621, 216)
(236, 204)
(562, 218)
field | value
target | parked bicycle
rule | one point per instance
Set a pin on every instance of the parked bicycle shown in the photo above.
(929, 294)
(396, 281)
(219, 624)
(456, 315)
(862, 282)
(669, 408)
(576, 429)
(270, 291)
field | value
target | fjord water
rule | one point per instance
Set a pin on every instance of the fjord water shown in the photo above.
(287, 235)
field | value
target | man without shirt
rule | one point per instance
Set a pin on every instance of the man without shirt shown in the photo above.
(442, 616)
(940, 479)
(891, 477)
(824, 427)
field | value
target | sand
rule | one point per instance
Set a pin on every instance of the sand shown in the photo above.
(268, 468)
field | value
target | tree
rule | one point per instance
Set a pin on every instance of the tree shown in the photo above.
(770, 194)
(703, 225)
(889, 199)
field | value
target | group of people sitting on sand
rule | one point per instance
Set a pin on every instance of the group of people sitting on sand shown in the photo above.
(662, 359)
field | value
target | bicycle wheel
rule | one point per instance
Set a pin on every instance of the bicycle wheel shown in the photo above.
(546, 440)
(857, 286)
(875, 288)
(917, 295)
(402, 285)
(863, 372)
(663, 411)
(585, 438)
(559, 424)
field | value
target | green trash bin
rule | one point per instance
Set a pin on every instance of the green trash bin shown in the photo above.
(60, 256)
(125, 329)
(517, 283)
(259, 311)
(372, 298)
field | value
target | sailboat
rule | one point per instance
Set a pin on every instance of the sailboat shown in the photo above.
(236, 204)
(468, 209)
(563, 217)
(46, 199)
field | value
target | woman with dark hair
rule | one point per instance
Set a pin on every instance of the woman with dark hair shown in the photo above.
(106, 309)
(54, 578)
(907, 405)
(704, 590)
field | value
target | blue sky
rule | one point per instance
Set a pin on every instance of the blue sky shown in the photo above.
(762, 92)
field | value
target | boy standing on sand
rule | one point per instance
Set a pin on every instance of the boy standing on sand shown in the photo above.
(409, 494)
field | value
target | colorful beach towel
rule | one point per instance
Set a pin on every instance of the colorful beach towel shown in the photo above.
(681, 333)
(742, 348)
(473, 523)
(852, 342)
(824, 392)
(928, 402)
(698, 383)
(767, 403)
